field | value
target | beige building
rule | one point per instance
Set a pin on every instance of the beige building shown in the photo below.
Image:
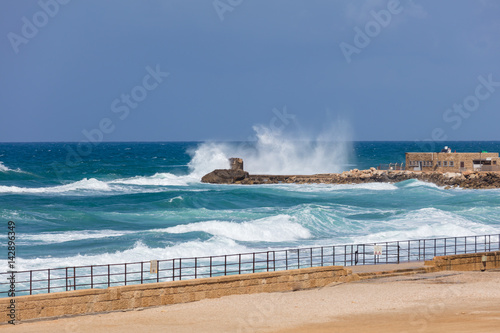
(446, 161)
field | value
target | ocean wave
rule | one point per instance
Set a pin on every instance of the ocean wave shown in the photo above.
(158, 179)
(3, 168)
(139, 252)
(337, 187)
(279, 228)
(69, 236)
(85, 184)
(417, 183)
(176, 198)
(426, 223)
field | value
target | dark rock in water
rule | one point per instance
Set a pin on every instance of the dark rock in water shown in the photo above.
(224, 176)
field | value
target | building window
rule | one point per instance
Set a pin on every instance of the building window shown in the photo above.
(494, 162)
(445, 163)
(452, 164)
(462, 164)
(439, 163)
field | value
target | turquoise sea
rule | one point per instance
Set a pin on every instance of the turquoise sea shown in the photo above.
(77, 204)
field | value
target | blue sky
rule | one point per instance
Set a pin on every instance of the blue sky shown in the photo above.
(392, 70)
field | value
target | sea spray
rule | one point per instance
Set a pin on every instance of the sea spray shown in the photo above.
(279, 152)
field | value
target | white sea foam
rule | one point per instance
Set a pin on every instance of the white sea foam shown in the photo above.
(85, 184)
(279, 152)
(68, 236)
(337, 187)
(139, 252)
(279, 228)
(176, 198)
(3, 168)
(426, 223)
(419, 183)
(159, 179)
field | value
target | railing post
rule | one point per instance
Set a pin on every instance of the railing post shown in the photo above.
(225, 265)
(180, 269)
(142, 272)
(31, 282)
(125, 274)
(286, 260)
(48, 284)
(333, 255)
(210, 266)
(239, 264)
(322, 256)
(173, 270)
(109, 277)
(91, 277)
(398, 252)
(157, 271)
(298, 258)
(196, 267)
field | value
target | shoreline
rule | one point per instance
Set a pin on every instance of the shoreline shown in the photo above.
(466, 180)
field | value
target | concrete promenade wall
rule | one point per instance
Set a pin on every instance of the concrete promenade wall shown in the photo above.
(464, 262)
(124, 298)
(121, 298)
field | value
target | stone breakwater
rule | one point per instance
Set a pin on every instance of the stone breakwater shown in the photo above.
(470, 179)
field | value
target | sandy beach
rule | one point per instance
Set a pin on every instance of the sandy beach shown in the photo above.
(433, 302)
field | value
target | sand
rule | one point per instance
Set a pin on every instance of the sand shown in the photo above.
(434, 302)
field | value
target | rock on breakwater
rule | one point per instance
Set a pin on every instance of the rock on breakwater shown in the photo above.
(470, 179)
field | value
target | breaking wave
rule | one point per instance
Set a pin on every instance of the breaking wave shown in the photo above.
(275, 152)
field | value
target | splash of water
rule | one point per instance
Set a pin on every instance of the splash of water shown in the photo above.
(277, 152)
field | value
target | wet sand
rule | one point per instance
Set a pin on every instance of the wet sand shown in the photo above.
(433, 302)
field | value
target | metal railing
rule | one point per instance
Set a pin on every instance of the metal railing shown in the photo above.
(104, 276)
(489, 168)
(391, 166)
